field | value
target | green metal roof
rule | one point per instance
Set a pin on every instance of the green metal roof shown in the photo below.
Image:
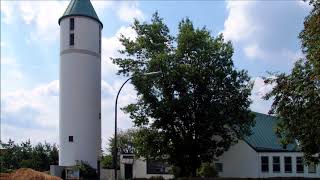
(80, 8)
(264, 138)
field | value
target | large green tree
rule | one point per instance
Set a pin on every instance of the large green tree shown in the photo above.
(297, 95)
(198, 106)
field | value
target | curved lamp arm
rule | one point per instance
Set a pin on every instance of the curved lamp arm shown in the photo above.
(115, 123)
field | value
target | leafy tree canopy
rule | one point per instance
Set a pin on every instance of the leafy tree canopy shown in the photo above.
(297, 95)
(124, 142)
(198, 106)
(310, 37)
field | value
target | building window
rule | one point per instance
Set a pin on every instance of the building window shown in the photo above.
(264, 164)
(71, 43)
(287, 164)
(219, 167)
(312, 168)
(157, 167)
(276, 164)
(70, 138)
(100, 116)
(71, 24)
(299, 164)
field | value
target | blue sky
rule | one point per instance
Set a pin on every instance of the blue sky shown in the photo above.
(264, 35)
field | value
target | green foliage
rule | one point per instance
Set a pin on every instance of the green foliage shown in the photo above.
(147, 143)
(39, 157)
(207, 170)
(198, 107)
(297, 103)
(297, 95)
(106, 162)
(86, 171)
(124, 142)
(310, 37)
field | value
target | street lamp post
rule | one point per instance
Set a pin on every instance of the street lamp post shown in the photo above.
(115, 123)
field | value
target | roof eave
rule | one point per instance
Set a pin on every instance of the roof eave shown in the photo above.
(65, 16)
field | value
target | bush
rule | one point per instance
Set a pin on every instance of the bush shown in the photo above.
(207, 170)
(86, 171)
(106, 162)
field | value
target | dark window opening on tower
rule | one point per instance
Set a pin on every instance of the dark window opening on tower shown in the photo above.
(70, 138)
(71, 43)
(100, 116)
(72, 24)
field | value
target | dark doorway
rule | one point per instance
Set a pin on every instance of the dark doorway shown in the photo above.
(128, 171)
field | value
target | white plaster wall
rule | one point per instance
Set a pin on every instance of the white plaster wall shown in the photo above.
(86, 34)
(282, 173)
(140, 170)
(239, 161)
(80, 94)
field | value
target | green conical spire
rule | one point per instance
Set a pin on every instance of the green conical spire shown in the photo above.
(80, 8)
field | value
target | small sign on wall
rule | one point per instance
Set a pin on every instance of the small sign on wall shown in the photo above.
(72, 173)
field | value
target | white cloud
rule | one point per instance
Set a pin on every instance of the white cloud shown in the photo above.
(305, 5)
(111, 84)
(46, 24)
(110, 47)
(253, 51)
(43, 15)
(259, 90)
(292, 55)
(264, 30)
(237, 25)
(128, 11)
(11, 73)
(3, 44)
(35, 111)
(128, 95)
(35, 135)
(37, 107)
(41, 102)
(8, 61)
(101, 6)
(7, 10)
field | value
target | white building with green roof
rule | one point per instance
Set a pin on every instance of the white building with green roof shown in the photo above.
(259, 155)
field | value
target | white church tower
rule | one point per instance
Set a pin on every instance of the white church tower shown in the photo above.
(80, 85)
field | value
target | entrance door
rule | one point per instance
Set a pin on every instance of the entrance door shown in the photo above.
(128, 171)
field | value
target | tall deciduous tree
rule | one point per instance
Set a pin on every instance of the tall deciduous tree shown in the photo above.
(198, 106)
(297, 95)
